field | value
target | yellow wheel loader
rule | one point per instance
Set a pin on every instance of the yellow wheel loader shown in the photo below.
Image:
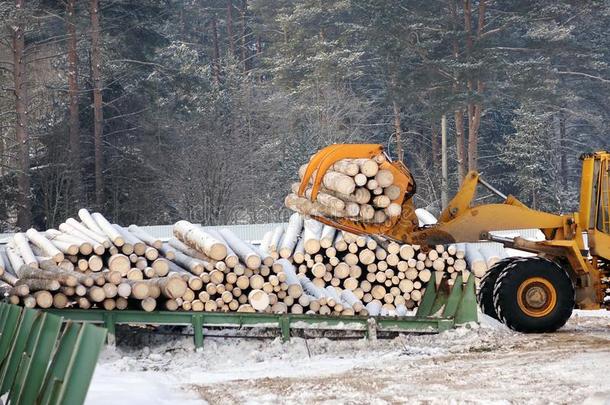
(528, 294)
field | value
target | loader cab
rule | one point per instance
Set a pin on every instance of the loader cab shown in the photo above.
(595, 202)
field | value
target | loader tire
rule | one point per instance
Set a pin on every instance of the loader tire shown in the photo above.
(485, 296)
(533, 295)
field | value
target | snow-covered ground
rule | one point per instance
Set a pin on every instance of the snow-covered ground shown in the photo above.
(485, 364)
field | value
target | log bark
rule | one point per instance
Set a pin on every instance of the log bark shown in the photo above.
(245, 252)
(291, 236)
(200, 240)
(232, 259)
(44, 245)
(98, 115)
(145, 236)
(75, 229)
(24, 249)
(109, 230)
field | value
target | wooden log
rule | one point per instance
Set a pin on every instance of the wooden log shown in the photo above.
(374, 307)
(139, 247)
(120, 263)
(200, 240)
(89, 222)
(140, 289)
(490, 255)
(384, 178)
(324, 198)
(124, 289)
(232, 259)
(276, 239)
(96, 294)
(74, 228)
(149, 304)
(24, 250)
(168, 251)
(246, 254)
(258, 299)
(110, 231)
(121, 303)
(368, 167)
(145, 236)
(44, 245)
(338, 182)
(476, 261)
(311, 235)
(459, 265)
(353, 302)
(393, 210)
(95, 263)
(295, 290)
(68, 244)
(360, 179)
(44, 299)
(265, 243)
(372, 185)
(392, 192)
(291, 235)
(111, 291)
(195, 266)
(407, 252)
(171, 287)
(347, 167)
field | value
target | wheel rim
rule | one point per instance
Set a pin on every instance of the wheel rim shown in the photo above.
(536, 297)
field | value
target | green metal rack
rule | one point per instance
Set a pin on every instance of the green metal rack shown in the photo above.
(440, 309)
(37, 366)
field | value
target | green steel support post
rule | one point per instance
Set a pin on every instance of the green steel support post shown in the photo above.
(467, 308)
(109, 324)
(60, 362)
(442, 296)
(454, 298)
(36, 357)
(425, 306)
(11, 363)
(198, 330)
(79, 372)
(9, 329)
(284, 322)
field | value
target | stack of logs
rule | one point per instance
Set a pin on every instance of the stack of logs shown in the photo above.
(358, 189)
(301, 267)
(382, 277)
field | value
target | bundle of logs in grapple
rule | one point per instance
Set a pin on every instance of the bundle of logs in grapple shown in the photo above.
(357, 189)
(303, 267)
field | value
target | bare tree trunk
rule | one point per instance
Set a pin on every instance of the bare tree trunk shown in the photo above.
(244, 41)
(470, 109)
(444, 171)
(215, 52)
(460, 146)
(74, 123)
(230, 27)
(474, 107)
(24, 214)
(474, 119)
(563, 162)
(97, 101)
(434, 147)
(397, 131)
